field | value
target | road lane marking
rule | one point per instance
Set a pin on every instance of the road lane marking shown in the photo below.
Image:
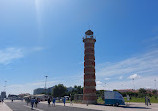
(34, 108)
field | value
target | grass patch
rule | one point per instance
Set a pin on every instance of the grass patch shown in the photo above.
(142, 100)
(133, 99)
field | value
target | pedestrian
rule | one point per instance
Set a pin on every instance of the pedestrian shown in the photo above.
(149, 101)
(71, 100)
(146, 100)
(12, 100)
(2, 101)
(36, 102)
(49, 100)
(53, 102)
(128, 99)
(27, 101)
(64, 100)
(32, 103)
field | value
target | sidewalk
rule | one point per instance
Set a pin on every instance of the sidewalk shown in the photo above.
(4, 107)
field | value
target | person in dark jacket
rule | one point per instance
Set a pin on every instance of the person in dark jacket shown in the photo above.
(32, 103)
(49, 100)
(71, 100)
(36, 102)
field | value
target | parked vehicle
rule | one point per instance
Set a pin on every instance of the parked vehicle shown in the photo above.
(113, 98)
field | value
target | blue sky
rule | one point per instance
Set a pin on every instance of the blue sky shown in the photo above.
(44, 37)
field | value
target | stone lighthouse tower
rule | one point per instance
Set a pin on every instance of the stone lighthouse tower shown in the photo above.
(89, 91)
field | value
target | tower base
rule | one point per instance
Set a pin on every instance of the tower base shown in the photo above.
(89, 102)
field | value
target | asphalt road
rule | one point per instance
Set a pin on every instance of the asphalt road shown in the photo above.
(21, 106)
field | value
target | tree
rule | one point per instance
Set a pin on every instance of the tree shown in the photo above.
(142, 92)
(59, 90)
(76, 90)
(155, 93)
(100, 93)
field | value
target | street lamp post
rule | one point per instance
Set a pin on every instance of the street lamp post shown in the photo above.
(5, 83)
(45, 84)
(133, 83)
(155, 84)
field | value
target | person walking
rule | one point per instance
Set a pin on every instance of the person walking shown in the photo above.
(12, 100)
(49, 100)
(27, 101)
(128, 99)
(146, 100)
(64, 100)
(36, 102)
(53, 102)
(71, 100)
(149, 101)
(32, 103)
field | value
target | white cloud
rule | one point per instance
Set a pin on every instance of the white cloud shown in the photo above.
(28, 87)
(9, 54)
(121, 77)
(133, 76)
(98, 82)
(107, 79)
(143, 64)
(143, 82)
(99, 85)
(143, 68)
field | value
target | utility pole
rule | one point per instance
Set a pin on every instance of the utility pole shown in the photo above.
(45, 84)
(5, 83)
(133, 83)
(155, 84)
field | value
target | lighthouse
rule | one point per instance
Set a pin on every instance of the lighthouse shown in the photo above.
(89, 90)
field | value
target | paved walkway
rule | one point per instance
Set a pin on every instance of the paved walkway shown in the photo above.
(4, 107)
(130, 107)
(21, 106)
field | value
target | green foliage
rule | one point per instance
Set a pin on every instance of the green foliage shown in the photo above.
(100, 93)
(154, 92)
(142, 92)
(115, 90)
(100, 100)
(131, 94)
(76, 90)
(155, 96)
(59, 90)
